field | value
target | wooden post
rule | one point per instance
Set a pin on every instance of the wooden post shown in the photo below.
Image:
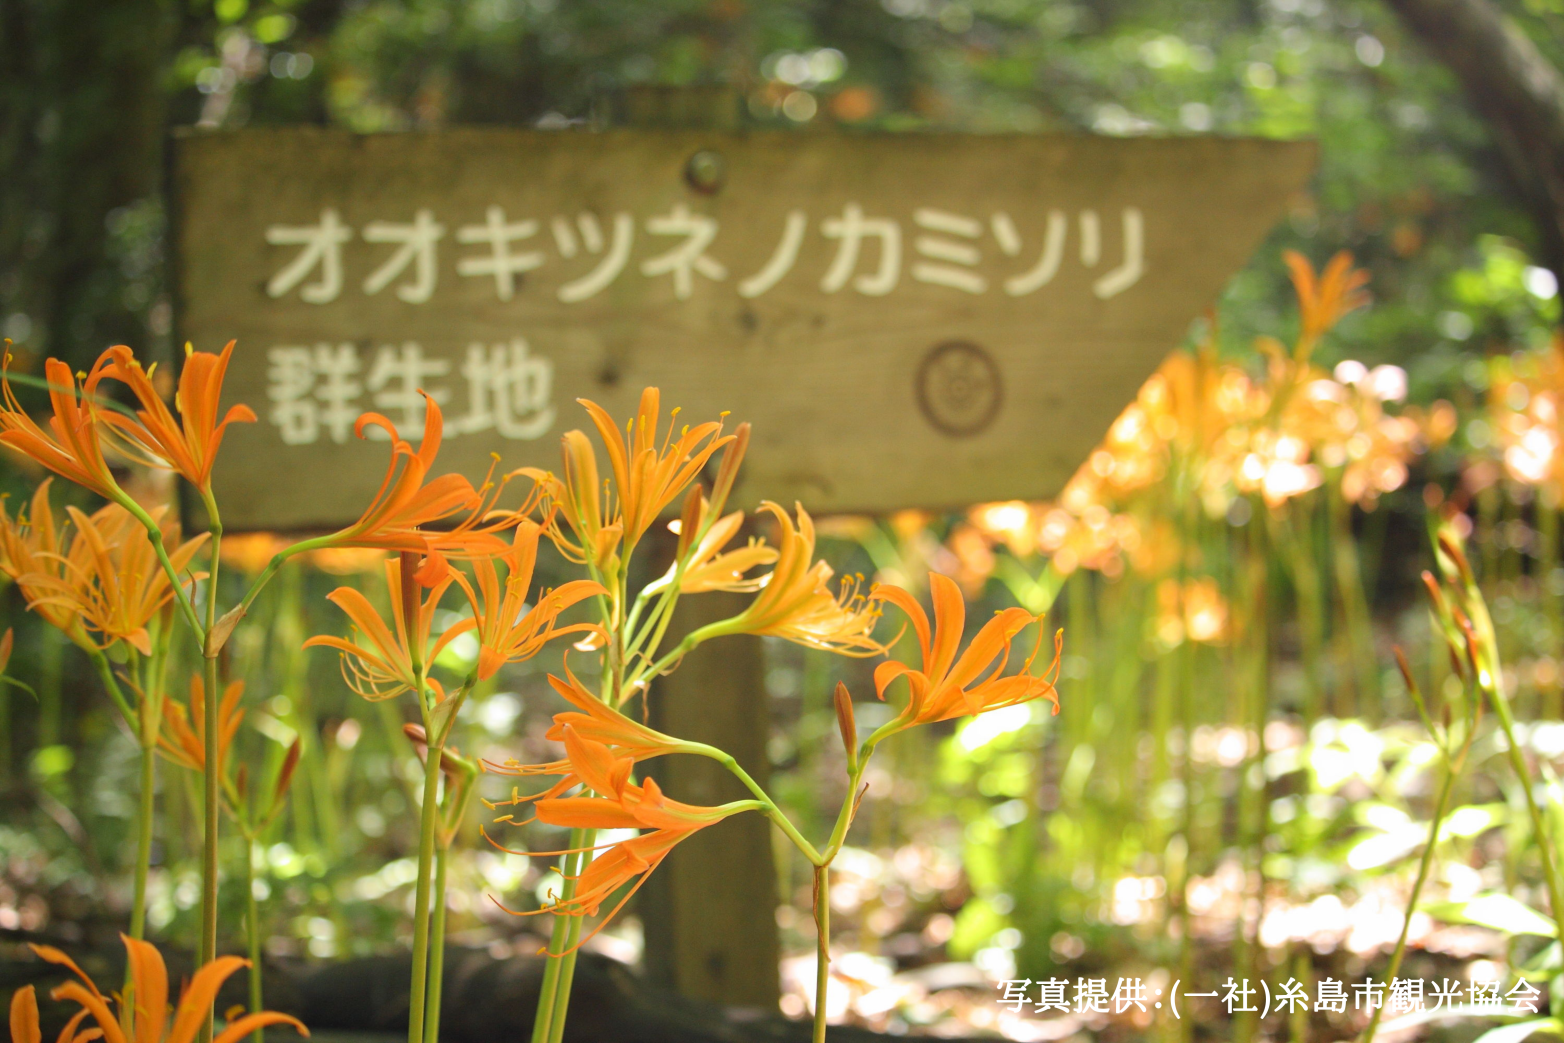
(710, 910)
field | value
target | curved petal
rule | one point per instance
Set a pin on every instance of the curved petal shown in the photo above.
(197, 1000)
(24, 1016)
(950, 617)
(237, 1030)
(913, 611)
(586, 813)
(150, 979)
(94, 1004)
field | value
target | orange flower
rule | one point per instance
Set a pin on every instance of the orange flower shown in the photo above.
(406, 505)
(597, 722)
(187, 747)
(147, 1020)
(507, 633)
(579, 499)
(1324, 299)
(72, 447)
(796, 604)
(710, 569)
(346, 561)
(948, 686)
(111, 576)
(31, 547)
(381, 665)
(622, 804)
(251, 552)
(24, 1020)
(647, 478)
(188, 445)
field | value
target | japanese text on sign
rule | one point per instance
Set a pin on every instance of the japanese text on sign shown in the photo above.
(318, 391)
(684, 247)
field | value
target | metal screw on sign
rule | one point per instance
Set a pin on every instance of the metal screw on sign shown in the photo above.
(959, 388)
(706, 171)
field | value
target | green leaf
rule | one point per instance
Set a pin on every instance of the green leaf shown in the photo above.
(1520, 1030)
(1499, 911)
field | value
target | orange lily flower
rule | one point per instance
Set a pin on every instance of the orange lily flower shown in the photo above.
(507, 633)
(251, 552)
(188, 445)
(712, 569)
(111, 577)
(30, 547)
(24, 1020)
(406, 504)
(598, 722)
(380, 665)
(579, 499)
(187, 747)
(948, 686)
(72, 447)
(148, 1018)
(622, 805)
(795, 602)
(1324, 299)
(648, 478)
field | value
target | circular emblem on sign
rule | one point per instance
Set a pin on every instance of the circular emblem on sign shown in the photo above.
(959, 388)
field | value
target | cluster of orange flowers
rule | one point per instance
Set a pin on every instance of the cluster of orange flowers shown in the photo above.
(1526, 407)
(1207, 430)
(143, 1015)
(106, 576)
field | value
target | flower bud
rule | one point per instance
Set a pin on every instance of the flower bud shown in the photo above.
(847, 725)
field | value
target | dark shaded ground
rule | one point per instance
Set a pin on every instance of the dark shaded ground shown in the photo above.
(486, 1001)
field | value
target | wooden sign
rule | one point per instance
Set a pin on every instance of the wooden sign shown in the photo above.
(908, 321)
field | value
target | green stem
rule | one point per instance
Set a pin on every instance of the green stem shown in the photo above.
(773, 812)
(252, 933)
(567, 962)
(211, 780)
(144, 810)
(1417, 889)
(822, 946)
(550, 1006)
(175, 582)
(211, 795)
(1501, 706)
(427, 820)
(111, 685)
(436, 950)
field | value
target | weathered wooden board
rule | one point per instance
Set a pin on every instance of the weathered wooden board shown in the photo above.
(913, 320)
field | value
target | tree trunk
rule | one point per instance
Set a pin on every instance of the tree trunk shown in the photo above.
(1517, 92)
(82, 111)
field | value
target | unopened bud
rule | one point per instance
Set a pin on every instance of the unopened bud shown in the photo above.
(1406, 669)
(728, 473)
(846, 724)
(690, 520)
(290, 761)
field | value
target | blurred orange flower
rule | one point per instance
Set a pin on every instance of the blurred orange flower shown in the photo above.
(31, 546)
(185, 744)
(111, 577)
(147, 1020)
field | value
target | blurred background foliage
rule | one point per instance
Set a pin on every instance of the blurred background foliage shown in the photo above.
(1234, 786)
